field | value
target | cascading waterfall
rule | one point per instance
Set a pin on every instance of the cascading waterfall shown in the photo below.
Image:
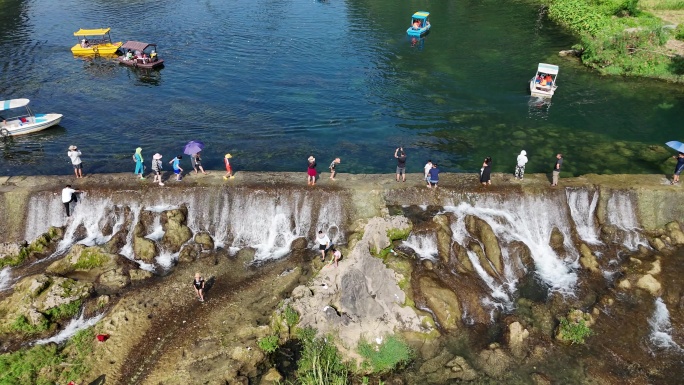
(424, 244)
(582, 204)
(661, 328)
(73, 327)
(527, 219)
(621, 213)
(265, 220)
(5, 278)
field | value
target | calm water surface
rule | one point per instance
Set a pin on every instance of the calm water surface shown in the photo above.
(273, 81)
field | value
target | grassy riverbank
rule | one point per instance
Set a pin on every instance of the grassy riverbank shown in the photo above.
(626, 37)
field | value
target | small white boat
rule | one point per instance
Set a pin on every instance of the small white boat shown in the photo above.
(543, 84)
(16, 118)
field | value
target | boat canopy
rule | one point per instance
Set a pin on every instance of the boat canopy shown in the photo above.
(547, 69)
(13, 103)
(136, 45)
(421, 15)
(92, 32)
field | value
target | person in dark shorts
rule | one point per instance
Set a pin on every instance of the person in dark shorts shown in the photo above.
(335, 162)
(556, 170)
(198, 284)
(324, 244)
(75, 155)
(433, 176)
(177, 169)
(197, 163)
(157, 168)
(401, 163)
(69, 196)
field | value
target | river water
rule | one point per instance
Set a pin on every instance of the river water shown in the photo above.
(273, 81)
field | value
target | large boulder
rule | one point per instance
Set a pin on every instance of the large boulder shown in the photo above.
(675, 233)
(144, 249)
(494, 361)
(650, 284)
(443, 368)
(443, 302)
(492, 251)
(204, 239)
(462, 262)
(60, 292)
(588, 260)
(444, 236)
(380, 232)
(516, 339)
(176, 233)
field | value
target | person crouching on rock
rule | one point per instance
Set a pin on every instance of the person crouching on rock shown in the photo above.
(198, 283)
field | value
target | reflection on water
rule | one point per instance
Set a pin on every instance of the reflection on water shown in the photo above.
(343, 83)
(539, 107)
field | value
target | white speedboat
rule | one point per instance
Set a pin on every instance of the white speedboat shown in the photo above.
(16, 118)
(543, 84)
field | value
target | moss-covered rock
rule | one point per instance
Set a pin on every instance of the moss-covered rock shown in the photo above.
(588, 260)
(204, 239)
(443, 302)
(144, 249)
(492, 251)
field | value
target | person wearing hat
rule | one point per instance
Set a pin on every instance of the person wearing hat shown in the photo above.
(229, 170)
(157, 168)
(138, 159)
(311, 172)
(75, 156)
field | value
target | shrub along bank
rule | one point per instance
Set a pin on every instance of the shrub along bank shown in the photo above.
(618, 38)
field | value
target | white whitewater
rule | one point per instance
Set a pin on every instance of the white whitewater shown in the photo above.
(528, 219)
(74, 326)
(425, 245)
(622, 214)
(582, 205)
(5, 278)
(268, 221)
(661, 328)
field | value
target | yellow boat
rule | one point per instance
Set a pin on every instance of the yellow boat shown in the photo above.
(94, 41)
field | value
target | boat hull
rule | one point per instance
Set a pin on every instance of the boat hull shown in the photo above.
(139, 64)
(541, 91)
(96, 49)
(418, 32)
(35, 123)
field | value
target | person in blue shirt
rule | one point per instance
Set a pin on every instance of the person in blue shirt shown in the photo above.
(433, 175)
(678, 168)
(138, 159)
(175, 162)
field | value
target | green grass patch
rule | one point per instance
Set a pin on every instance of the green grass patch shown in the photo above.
(67, 310)
(269, 344)
(320, 362)
(574, 332)
(22, 325)
(49, 364)
(391, 354)
(90, 259)
(291, 316)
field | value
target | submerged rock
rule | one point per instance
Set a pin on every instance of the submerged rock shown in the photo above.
(494, 361)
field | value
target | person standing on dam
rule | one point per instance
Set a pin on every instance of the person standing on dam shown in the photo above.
(556, 169)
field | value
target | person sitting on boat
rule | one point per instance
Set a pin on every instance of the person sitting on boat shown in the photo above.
(416, 24)
(84, 43)
(129, 55)
(538, 79)
(549, 80)
(153, 55)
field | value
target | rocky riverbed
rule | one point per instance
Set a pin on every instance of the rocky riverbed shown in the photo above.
(485, 285)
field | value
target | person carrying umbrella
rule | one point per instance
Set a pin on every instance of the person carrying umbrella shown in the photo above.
(679, 167)
(193, 149)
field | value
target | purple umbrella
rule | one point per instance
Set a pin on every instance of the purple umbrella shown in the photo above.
(193, 147)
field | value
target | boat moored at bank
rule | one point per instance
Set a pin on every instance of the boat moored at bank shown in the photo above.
(420, 24)
(16, 118)
(543, 84)
(94, 42)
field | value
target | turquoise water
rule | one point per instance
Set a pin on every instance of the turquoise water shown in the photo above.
(275, 81)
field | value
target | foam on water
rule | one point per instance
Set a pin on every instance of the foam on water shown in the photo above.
(582, 205)
(74, 326)
(166, 259)
(661, 328)
(425, 245)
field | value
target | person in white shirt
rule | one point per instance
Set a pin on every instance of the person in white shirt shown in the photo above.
(427, 168)
(323, 243)
(75, 156)
(520, 166)
(68, 196)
